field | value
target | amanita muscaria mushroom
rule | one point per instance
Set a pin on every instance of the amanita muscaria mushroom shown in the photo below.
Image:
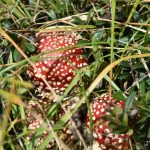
(59, 67)
(36, 117)
(107, 140)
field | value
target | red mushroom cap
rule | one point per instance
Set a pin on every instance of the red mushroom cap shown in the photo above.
(59, 70)
(101, 132)
(49, 41)
(35, 114)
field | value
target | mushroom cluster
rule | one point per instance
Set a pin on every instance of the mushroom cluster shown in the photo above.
(60, 60)
(107, 140)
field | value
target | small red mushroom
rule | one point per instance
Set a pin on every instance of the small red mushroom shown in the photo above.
(100, 107)
(58, 68)
(35, 118)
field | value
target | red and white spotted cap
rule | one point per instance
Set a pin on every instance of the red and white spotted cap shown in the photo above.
(35, 114)
(57, 68)
(101, 132)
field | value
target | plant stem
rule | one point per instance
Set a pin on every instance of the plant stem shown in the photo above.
(4, 124)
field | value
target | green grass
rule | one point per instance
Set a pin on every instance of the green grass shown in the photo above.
(116, 39)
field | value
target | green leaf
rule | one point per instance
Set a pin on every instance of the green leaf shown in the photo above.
(125, 119)
(52, 14)
(83, 43)
(119, 95)
(124, 40)
(29, 47)
(94, 44)
(147, 96)
(142, 87)
(76, 19)
(16, 56)
(137, 66)
(129, 101)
